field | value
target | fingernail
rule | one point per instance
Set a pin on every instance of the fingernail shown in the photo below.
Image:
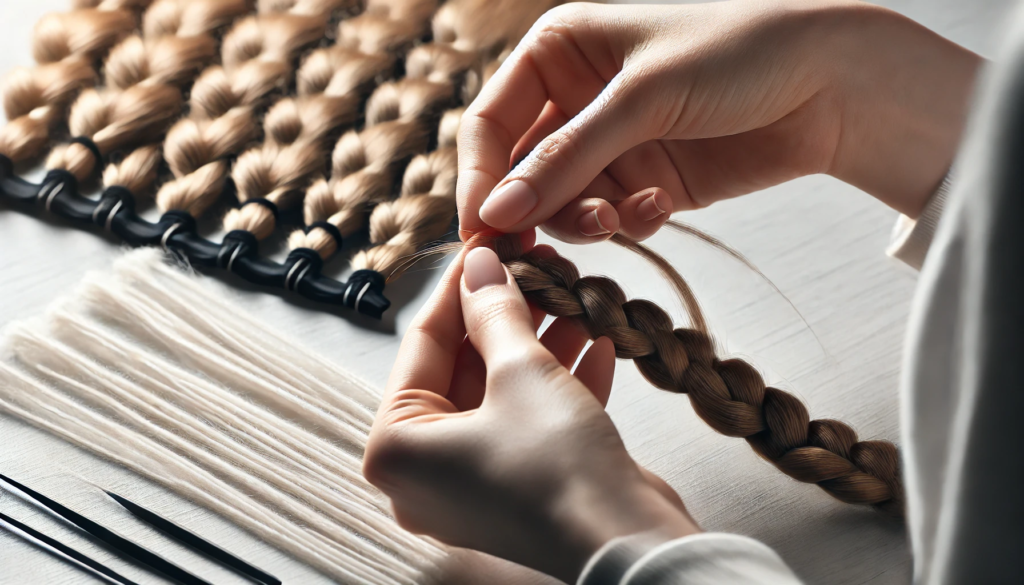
(482, 269)
(589, 224)
(649, 208)
(508, 205)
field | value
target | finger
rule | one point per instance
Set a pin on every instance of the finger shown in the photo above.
(643, 214)
(565, 340)
(583, 221)
(497, 318)
(551, 118)
(470, 377)
(429, 349)
(544, 67)
(647, 165)
(566, 161)
(597, 369)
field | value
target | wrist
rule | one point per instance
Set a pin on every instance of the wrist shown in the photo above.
(591, 520)
(903, 96)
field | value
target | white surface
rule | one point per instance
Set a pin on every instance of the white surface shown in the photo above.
(819, 240)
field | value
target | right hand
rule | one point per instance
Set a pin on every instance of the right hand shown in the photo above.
(623, 114)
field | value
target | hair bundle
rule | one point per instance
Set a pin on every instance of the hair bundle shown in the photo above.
(144, 76)
(66, 47)
(331, 83)
(256, 60)
(198, 423)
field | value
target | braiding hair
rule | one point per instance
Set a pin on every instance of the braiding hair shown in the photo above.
(424, 210)
(331, 84)
(144, 75)
(66, 46)
(194, 20)
(399, 117)
(729, 395)
(257, 57)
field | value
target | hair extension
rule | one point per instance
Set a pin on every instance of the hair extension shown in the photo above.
(426, 206)
(728, 394)
(34, 402)
(398, 116)
(126, 400)
(331, 84)
(144, 75)
(66, 47)
(423, 211)
(196, 23)
(133, 405)
(257, 57)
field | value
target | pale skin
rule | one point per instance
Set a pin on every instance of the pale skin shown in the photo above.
(615, 117)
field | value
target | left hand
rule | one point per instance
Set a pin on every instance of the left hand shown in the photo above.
(489, 442)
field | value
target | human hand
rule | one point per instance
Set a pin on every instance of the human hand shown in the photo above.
(625, 114)
(489, 442)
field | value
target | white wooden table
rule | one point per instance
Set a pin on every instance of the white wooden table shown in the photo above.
(819, 240)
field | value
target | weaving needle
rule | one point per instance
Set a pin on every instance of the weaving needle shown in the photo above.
(195, 541)
(64, 552)
(119, 543)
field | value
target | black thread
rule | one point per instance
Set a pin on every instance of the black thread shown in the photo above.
(265, 203)
(93, 148)
(328, 227)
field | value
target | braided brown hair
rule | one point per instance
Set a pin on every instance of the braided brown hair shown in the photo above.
(729, 394)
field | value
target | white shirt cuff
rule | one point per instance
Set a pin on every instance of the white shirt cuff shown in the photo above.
(700, 559)
(911, 238)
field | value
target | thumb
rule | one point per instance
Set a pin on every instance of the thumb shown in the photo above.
(561, 166)
(498, 320)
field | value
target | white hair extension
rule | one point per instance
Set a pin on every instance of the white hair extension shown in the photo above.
(303, 369)
(219, 461)
(148, 321)
(34, 402)
(87, 378)
(167, 391)
(291, 444)
(145, 316)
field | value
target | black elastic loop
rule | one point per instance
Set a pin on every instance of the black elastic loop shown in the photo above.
(6, 166)
(236, 243)
(268, 204)
(376, 279)
(88, 143)
(301, 262)
(114, 199)
(55, 182)
(328, 227)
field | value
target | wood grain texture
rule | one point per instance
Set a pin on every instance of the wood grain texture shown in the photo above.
(819, 240)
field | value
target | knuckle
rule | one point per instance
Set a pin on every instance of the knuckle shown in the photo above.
(517, 363)
(388, 454)
(557, 151)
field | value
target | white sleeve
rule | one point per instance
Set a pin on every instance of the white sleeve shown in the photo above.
(911, 238)
(701, 559)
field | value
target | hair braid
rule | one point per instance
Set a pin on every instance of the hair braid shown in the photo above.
(426, 206)
(66, 47)
(257, 57)
(144, 75)
(331, 84)
(365, 164)
(728, 394)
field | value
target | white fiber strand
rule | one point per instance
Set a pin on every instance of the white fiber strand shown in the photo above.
(37, 404)
(148, 369)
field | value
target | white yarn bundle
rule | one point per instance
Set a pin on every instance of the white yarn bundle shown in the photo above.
(148, 369)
